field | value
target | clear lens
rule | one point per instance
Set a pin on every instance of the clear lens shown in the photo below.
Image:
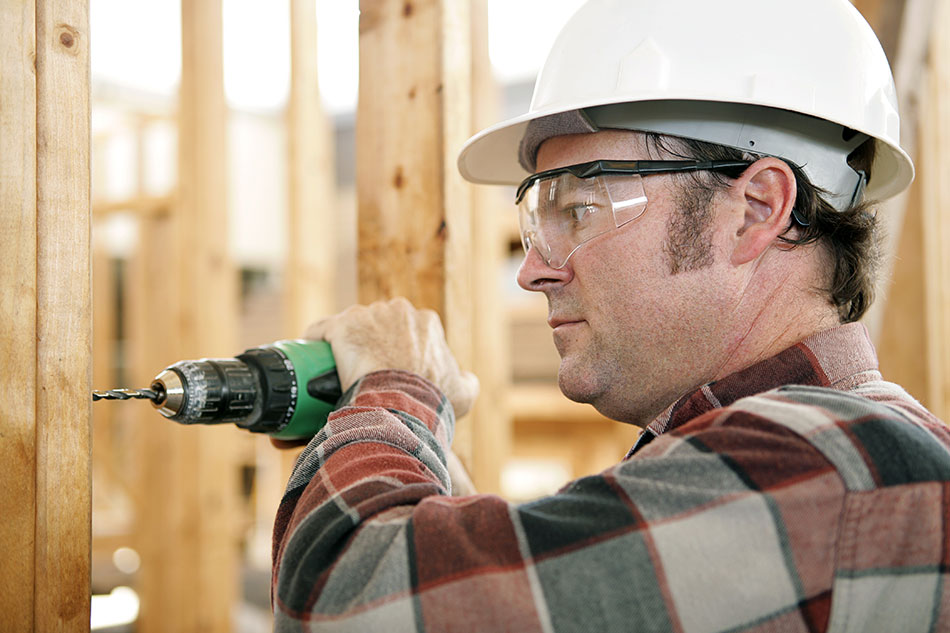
(559, 214)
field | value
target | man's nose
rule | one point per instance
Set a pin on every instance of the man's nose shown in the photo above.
(535, 275)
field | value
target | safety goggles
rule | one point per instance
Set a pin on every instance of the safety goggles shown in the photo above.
(561, 209)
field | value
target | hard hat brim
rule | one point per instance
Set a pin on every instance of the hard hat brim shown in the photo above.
(492, 156)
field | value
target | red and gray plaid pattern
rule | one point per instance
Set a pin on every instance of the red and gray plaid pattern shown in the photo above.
(802, 494)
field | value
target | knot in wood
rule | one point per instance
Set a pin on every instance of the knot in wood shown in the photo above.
(68, 38)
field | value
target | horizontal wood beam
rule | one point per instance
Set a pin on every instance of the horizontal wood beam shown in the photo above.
(139, 205)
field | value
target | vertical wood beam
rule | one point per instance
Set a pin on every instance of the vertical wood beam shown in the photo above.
(187, 527)
(64, 318)
(18, 294)
(904, 28)
(902, 341)
(415, 211)
(490, 420)
(46, 316)
(404, 114)
(206, 278)
(312, 230)
(934, 166)
(149, 289)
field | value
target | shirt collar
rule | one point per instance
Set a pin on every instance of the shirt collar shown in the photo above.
(840, 358)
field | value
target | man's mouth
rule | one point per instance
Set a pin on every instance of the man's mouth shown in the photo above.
(559, 322)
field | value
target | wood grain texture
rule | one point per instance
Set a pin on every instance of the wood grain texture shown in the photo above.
(17, 314)
(400, 153)
(416, 228)
(64, 318)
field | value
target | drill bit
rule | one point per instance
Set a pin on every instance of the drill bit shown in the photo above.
(125, 394)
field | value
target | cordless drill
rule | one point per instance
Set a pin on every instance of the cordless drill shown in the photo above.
(285, 389)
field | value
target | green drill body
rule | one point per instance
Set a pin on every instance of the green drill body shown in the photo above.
(285, 389)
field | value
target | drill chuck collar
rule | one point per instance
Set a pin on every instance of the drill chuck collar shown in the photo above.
(286, 389)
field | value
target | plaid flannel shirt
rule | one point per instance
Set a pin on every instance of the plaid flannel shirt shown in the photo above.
(801, 494)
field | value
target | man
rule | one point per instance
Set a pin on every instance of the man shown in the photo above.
(691, 198)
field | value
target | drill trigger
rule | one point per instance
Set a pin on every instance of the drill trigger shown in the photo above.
(325, 387)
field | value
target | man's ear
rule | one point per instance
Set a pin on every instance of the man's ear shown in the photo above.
(767, 189)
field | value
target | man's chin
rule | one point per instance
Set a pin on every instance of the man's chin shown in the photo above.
(575, 385)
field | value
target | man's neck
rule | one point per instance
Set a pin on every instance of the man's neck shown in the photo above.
(783, 319)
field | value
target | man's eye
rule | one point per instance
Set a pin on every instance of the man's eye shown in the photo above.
(581, 213)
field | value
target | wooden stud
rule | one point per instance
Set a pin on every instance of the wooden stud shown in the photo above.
(934, 166)
(18, 294)
(64, 318)
(140, 205)
(313, 244)
(402, 151)
(312, 230)
(460, 309)
(902, 341)
(904, 29)
(150, 289)
(50, 358)
(399, 149)
(490, 421)
(188, 540)
(415, 211)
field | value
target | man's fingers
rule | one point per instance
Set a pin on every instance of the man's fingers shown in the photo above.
(285, 444)
(316, 331)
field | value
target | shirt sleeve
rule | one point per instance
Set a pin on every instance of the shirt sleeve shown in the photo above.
(729, 522)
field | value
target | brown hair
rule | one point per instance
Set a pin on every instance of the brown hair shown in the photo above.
(849, 238)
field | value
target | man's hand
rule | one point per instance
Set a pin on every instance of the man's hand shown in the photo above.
(395, 335)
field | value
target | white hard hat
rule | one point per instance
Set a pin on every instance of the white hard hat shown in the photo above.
(739, 73)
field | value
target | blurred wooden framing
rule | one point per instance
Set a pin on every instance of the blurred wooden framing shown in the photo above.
(181, 303)
(910, 321)
(181, 300)
(934, 167)
(310, 278)
(186, 288)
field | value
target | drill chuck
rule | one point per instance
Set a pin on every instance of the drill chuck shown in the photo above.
(286, 389)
